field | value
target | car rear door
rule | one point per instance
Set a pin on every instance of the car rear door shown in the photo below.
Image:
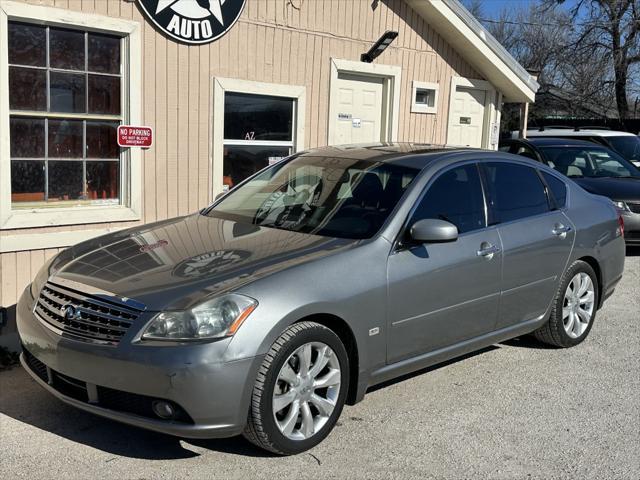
(537, 238)
(440, 294)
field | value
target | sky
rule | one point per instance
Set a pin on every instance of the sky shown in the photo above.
(492, 8)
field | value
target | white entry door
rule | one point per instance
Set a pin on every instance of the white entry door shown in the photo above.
(359, 106)
(466, 118)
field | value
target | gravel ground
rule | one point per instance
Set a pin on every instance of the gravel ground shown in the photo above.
(515, 410)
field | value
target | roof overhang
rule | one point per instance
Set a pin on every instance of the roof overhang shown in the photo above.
(478, 47)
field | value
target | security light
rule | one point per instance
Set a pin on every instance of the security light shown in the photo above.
(380, 46)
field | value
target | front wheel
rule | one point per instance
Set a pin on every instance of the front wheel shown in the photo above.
(574, 308)
(300, 390)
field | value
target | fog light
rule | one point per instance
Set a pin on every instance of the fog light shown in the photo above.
(163, 409)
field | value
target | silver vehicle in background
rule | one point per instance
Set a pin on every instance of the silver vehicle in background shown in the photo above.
(322, 275)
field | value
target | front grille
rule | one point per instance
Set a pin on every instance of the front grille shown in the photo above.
(98, 320)
(632, 235)
(109, 398)
(634, 207)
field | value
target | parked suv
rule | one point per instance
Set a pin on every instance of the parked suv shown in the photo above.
(326, 273)
(595, 168)
(625, 143)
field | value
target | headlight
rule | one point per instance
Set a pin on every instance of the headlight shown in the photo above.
(215, 318)
(622, 206)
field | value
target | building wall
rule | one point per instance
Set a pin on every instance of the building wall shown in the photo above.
(277, 41)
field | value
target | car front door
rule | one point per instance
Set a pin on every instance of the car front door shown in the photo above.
(537, 239)
(440, 294)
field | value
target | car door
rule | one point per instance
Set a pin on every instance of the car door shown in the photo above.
(440, 294)
(536, 237)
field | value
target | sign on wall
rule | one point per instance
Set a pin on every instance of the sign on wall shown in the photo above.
(193, 21)
(132, 136)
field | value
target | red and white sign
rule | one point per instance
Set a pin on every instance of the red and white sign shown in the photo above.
(132, 136)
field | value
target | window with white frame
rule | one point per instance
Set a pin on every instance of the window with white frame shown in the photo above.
(425, 97)
(258, 130)
(65, 104)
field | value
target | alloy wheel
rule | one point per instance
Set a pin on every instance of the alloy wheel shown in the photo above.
(578, 305)
(306, 391)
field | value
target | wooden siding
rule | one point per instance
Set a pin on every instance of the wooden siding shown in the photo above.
(277, 41)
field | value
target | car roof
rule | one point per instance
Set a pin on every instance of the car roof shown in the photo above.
(413, 155)
(561, 142)
(582, 132)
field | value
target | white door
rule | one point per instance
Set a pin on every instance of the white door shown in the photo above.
(466, 118)
(359, 109)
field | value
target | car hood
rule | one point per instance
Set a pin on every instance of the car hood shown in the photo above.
(615, 188)
(175, 263)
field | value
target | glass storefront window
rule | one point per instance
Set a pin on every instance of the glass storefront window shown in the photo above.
(258, 130)
(57, 158)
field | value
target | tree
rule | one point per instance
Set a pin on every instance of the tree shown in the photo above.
(610, 26)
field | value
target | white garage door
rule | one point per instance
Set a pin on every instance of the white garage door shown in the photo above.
(359, 109)
(466, 118)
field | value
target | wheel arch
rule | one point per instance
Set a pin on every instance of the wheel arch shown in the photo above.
(341, 328)
(593, 263)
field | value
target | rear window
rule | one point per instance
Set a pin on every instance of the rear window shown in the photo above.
(515, 192)
(558, 189)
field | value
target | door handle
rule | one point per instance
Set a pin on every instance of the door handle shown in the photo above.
(560, 230)
(487, 250)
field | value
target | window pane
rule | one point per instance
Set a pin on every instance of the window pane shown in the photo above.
(241, 161)
(66, 49)
(65, 139)
(27, 44)
(27, 89)
(103, 180)
(104, 94)
(67, 92)
(257, 117)
(65, 180)
(27, 137)
(515, 191)
(104, 53)
(455, 196)
(27, 181)
(102, 140)
(558, 189)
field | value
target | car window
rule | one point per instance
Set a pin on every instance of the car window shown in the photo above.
(514, 191)
(628, 147)
(455, 196)
(336, 197)
(526, 152)
(589, 162)
(558, 189)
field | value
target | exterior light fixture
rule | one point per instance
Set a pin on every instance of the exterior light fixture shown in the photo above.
(380, 46)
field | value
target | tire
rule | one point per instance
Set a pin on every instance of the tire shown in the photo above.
(272, 430)
(559, 330)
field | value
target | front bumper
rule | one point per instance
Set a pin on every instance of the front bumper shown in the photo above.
(214, 394)
(631, 228)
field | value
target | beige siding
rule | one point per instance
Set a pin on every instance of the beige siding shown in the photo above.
(272, 42)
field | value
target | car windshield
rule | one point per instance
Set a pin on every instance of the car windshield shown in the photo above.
(336, 197)
(588, 162)
(627, 146)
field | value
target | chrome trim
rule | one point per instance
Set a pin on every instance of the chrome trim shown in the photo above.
(94, 291)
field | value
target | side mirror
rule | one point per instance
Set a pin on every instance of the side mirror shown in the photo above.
(431, 230)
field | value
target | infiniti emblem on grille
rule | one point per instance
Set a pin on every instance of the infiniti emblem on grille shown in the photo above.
(70, 312)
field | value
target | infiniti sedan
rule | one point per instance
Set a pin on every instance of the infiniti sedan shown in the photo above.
(322, 275)
(595, 168)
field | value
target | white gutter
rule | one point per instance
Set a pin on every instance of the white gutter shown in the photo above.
(478, 47)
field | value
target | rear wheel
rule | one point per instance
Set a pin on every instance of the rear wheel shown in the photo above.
(574, 308)
(300, 390)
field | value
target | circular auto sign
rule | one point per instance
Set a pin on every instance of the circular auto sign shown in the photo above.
(193, 21)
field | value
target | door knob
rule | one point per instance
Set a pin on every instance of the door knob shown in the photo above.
(487, 250)
(560, 230)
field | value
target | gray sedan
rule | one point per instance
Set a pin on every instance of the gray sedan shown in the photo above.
(320, 276)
